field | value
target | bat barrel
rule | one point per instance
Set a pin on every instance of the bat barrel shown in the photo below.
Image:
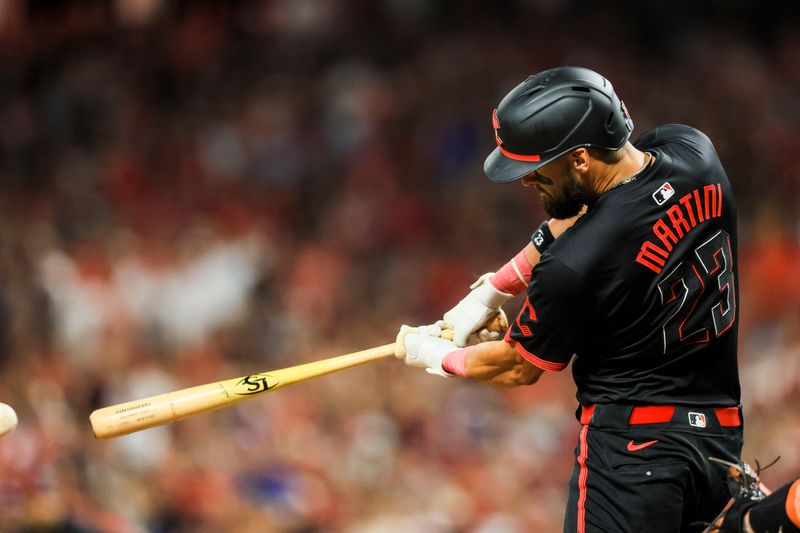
(145, 413)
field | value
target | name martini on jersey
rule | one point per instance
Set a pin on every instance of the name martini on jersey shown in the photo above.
(698, 206)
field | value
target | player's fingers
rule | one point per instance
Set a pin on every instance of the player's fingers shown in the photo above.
(413, 343)
(485, 335)
(400, 349)
(431, 330)
(460, 336)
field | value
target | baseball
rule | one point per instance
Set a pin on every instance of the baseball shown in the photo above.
(8, 419)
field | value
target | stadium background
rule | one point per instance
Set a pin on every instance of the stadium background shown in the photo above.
(192, 191)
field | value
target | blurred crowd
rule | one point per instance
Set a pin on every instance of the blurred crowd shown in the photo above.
(192, 191)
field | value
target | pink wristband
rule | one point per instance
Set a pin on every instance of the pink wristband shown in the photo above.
(515, 275)
(455, 362)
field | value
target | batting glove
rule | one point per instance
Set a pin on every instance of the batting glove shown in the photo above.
(423, 348)
(471, 313)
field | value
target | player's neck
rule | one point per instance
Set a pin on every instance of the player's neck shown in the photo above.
(631, 164)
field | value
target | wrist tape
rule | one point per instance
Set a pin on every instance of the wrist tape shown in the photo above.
(514, 277)
(455, 362)
(542, 237)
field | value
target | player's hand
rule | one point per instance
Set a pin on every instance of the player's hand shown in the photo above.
(472, 312)
(423, 347)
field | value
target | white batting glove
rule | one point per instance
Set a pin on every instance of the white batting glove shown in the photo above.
(471, 313)
(423, 348)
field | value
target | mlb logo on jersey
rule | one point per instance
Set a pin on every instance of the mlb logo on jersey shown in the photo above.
(664, 193)
(697, 420)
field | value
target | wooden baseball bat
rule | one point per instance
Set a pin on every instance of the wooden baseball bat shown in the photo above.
(124, 418)
(129, 417)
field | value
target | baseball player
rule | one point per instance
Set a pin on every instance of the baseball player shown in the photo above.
(639, 292)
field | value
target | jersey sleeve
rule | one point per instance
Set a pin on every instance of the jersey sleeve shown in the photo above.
(693, 143)
(549, 324)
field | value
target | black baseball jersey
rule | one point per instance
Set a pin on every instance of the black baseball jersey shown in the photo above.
(642, 289)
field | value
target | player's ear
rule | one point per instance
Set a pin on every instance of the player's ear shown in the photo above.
(579, 160)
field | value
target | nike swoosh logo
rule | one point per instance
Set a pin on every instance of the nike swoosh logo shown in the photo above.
(636, 447)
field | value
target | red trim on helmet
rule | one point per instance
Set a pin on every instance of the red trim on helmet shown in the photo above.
(519, 157)
(510, 155)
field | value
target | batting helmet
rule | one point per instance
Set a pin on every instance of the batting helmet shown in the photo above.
(551, 113)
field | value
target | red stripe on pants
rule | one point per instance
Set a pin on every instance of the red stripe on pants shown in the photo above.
(584, 452)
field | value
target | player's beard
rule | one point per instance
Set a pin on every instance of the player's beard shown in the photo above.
(571, 197)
